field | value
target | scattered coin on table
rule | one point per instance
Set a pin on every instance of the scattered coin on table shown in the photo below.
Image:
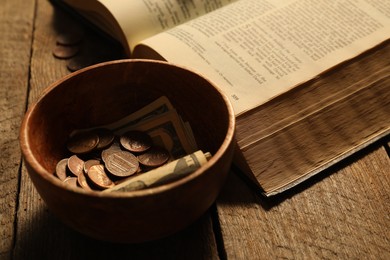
(67, 45)
(80, 62)
(80, 51)
(69, 38)
(65, 52)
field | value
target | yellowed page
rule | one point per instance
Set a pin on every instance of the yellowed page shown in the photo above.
(140, 19)
(255, 50)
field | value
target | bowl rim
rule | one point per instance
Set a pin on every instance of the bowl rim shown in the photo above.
(31, 160)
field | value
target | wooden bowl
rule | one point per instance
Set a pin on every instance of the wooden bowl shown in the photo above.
(104, 93)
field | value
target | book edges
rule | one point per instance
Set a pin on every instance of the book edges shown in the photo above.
(299, 134)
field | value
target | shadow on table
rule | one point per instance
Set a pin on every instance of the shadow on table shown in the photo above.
(48, 238)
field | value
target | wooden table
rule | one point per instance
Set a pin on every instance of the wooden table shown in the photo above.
(343, 213)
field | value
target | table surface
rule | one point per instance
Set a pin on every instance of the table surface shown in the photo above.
(342, 213)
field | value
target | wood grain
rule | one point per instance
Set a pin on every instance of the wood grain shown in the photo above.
(16, 26)
(344, 214)
(39, 234)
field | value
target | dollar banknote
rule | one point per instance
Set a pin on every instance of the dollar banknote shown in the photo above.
(162, 122)
(164, 174)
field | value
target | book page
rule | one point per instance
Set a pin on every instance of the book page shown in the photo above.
(140, 19)
(255, 50)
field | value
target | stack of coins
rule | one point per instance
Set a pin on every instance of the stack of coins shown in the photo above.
(99, 159)
(81, 49)
(67, 45)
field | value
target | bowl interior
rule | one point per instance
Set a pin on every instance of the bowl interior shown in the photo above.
(107, 92)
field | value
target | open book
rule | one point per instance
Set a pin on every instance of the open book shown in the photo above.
(309, 79)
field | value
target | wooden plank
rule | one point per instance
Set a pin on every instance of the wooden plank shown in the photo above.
(343, 214)
(15, 46)
(40, 235)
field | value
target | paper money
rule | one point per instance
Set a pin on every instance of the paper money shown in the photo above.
(158, 107)
(161, 121)
(168, 128)
(167, 173)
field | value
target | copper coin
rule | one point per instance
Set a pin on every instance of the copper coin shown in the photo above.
(71, 181)
(62, 169)
(75, 165)
(82, 181)
(83, 142)
(88, 164)
(122, 164)
(106, 137)
(115, 147)
(154, 157)
(69, 38)
(80, 62)
(65, 52)
(136, 141)
(98, 176)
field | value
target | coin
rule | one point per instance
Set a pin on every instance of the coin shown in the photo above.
(106, 137)
(65, 52)
(80, 62)
(122, 164)
(69, 38)
(88, 164)
(136, 141)
(154, 157)
(115, 147)
(62, 169)
(71, 181)
(98, 176)
(82, 181)
(75, 165)
(83, 142)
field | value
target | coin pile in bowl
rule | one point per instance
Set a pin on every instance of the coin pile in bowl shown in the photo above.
(101, 159)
